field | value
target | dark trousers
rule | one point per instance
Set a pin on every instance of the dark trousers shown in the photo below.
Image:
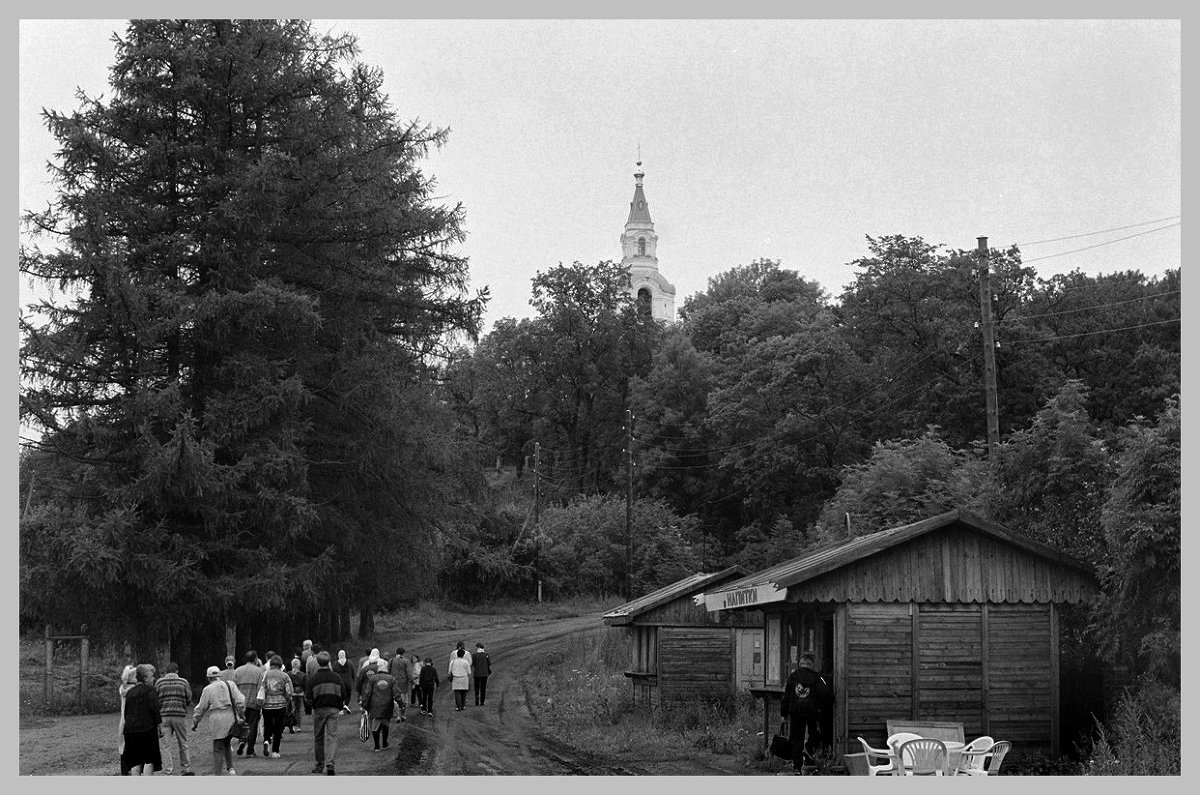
(480, 690)
(273, 727)
(380, 734)
(415, 696)
(252, 717)
(803, 737)
(460, 699)
(427, 698)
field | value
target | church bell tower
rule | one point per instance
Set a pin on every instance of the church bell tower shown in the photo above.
(639, 251)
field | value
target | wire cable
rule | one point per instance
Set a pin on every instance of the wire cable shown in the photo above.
(1098, 245)
(1090, 333)
(1085, 308)
(1097, 232)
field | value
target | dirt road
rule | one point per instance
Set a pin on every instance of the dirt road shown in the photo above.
(501, 738)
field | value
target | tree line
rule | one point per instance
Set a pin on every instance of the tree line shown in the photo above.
(263, 406)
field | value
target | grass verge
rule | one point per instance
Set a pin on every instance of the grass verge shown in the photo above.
(583, 698)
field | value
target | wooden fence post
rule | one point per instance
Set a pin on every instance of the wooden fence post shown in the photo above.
(83, 665)
(49, 680)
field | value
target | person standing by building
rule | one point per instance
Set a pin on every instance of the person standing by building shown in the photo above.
(275, 695)
(220, 702)
(380, 696)
(401, 670)
(806, 696)
(481, 669)
(327, 694)
(429, 682)
(248, 677)
(142, 725)
(298, 678)
(174, 703)
(460, 679)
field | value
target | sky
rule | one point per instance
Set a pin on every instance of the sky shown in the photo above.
(783, 139)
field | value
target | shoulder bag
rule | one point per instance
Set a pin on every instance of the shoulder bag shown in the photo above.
(240, 730)
(780, 746)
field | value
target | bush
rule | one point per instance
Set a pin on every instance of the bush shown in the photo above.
(1143, 737)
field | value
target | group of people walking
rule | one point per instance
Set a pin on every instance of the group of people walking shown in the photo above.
(237, 701)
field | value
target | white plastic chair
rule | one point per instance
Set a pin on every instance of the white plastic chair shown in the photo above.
(923, 756)
(877, 753)
(970, 760)
(893, 743)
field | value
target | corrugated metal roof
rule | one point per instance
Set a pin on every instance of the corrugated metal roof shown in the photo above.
(665, 594)
(825, 559)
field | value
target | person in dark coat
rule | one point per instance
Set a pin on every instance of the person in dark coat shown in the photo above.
(806, 697)
(142, 726)
(379, 697)
(429, 682)
(481, 669)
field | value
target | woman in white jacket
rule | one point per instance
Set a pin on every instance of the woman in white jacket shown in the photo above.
(460, 679)
(219, 702)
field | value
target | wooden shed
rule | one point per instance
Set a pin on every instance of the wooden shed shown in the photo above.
(953, 618)
(682, 652)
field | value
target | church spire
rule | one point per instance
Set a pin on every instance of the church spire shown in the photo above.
(639, 210)
(639, 249)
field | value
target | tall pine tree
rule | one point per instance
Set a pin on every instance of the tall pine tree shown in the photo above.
(239, 390)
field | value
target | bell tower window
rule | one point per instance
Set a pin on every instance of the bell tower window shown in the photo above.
(641, 246)
(644, 301)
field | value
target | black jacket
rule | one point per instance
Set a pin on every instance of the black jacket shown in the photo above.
(141, 709)
(429, 676)
(805, 694)
(481, 663)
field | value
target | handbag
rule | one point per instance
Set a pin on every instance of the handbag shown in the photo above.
(364, 732)
(780, 745)
(240, 730)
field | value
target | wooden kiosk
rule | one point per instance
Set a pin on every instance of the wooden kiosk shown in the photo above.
(682, 652)
(952, 618)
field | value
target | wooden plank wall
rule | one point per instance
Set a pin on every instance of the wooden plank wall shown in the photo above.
(1021, 671)
(950, 665)
(683, 612)
(695, 663)
(878, 677)
(949, 644)
(953, 564)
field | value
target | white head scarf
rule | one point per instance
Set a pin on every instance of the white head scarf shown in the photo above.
(374, 658)
(342, 657)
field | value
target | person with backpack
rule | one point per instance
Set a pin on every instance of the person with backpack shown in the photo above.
(275, 695)
(806, 697)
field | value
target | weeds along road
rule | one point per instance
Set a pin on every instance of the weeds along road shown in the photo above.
(501, 738)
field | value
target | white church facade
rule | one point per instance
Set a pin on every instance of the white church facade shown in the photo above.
(639, 247)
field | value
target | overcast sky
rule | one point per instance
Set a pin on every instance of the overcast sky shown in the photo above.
(791, 140)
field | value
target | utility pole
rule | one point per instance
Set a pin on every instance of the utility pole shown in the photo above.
(537, 501)
(989, 350)
(629, 503)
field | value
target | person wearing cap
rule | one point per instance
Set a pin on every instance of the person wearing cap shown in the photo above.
(216, 708)
(227, 674)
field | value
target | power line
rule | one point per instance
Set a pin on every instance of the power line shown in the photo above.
(1093, 306)
(1099, 331)
(1098, 245)
(1097, 232)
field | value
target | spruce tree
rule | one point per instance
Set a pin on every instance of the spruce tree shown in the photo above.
(259, 283)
